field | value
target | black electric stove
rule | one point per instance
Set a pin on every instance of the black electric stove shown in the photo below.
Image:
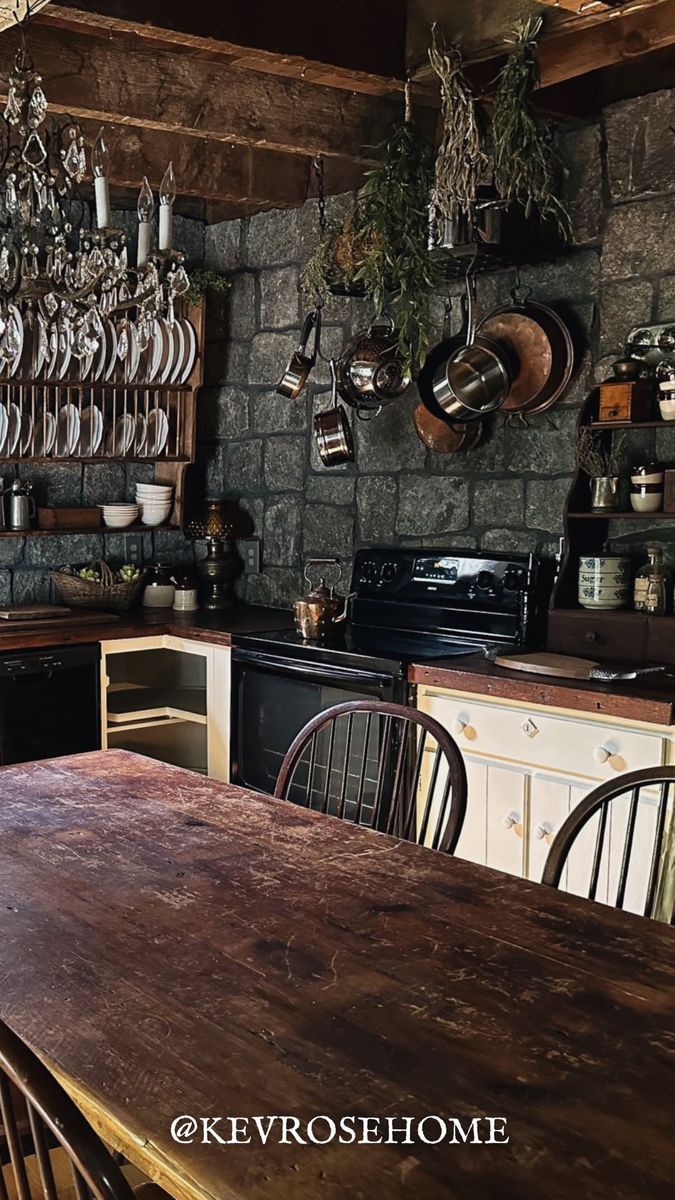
(409, 606)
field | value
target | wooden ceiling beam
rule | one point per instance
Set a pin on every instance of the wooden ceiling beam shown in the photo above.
(352, 45)
(114, 81)
(621, 36)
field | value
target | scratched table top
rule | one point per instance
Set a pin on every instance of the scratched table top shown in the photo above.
(171, 945)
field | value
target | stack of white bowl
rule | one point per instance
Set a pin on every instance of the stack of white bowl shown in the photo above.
(604, 581)
(155, 501)
(118, 516)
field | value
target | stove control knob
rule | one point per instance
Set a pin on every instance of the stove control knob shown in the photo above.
(512, 578)
(485, 581)
(368, 572)
(389, 572)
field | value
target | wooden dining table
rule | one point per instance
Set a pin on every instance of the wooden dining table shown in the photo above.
(172, 946)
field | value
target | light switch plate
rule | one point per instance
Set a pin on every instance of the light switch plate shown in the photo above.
(249, 549)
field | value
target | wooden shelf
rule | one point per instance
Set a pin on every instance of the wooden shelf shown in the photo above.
(632, 424)
(105, 530)
(137, 705)
(620, 515)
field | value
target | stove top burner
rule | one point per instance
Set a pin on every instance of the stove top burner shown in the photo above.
(373, 643)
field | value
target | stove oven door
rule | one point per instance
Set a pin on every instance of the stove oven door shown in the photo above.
(272, 698)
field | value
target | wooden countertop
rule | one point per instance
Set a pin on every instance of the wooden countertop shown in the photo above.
(214, 627)
(172, 945)
(649, 701)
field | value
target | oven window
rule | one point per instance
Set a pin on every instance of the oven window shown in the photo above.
(269, 711)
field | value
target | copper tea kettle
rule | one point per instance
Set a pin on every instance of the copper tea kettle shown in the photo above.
(318, 613)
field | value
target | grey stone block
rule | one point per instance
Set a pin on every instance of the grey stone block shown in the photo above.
(666, 303)
(226, 362)
(275, 588)
(544, 505)
(222, 246)
(54, 484)
(328, 532)
(639, 133)
(5, 587)
(103, 483)
(31, 587)
(170, 546)
(59, 551)
(222, 413)
(508, 541)
(581, 155)
(270, 353)
(272, 238)
(488, 458)
(243, 466)
(241, 306)
(137, 473)
(500, 500)
(271, 413)
(376, 497)
(279, 298)
(284, 463)
(11, 551)
(388, 442)
(622, 306)
(324, 489)
(282, 531)
(544, 447)
(639, 239)
(432, 504)
(572, 277)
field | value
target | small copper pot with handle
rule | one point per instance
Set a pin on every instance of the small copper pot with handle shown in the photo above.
(319, 614)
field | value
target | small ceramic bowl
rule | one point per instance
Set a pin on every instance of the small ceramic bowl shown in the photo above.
(644, 501)
(605, 562)
(667, 409)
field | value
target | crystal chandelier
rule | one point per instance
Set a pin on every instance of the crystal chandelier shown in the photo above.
(59, 276)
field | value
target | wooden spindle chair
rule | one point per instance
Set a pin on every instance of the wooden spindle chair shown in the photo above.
(380, 765)
(38, 1123)
(601, 803)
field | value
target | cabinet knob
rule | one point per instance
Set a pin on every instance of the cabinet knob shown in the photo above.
(591, 636)
(512, 821)
(458, 726)
(544, 832)
(601, 754)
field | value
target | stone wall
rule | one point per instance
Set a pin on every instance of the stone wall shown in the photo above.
(509, 493)
(258, 447)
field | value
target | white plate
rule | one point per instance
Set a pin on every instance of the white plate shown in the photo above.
(15, 316)
(14, 431)
(111, 351)
(167, 361)
(121, 437)
(67, 430)
(45, 435)
(26, 433)
(158, 432)
(178, 350)
(190, 349)
(155, 352)
(91, 431)
(4, 426)
(40, 347)
(141, 434)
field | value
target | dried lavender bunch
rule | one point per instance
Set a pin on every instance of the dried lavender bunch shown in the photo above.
(460, 158)
(592, 456)
(525, 161)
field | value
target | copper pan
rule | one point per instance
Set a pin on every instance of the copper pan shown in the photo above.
(442, 437)
(543, 346)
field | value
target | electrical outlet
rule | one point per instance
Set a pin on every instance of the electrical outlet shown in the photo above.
(249, 550)
(133, 549)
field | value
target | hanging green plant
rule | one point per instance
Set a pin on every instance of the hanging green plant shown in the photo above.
(337, 258)
(398, 271)
(526, 166)
(460, 160)
(204, 281)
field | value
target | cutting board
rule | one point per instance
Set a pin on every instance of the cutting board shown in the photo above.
(563, 666)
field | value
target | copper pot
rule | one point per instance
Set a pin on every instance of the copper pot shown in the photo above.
(300, 363)
(332, 430)
(318, 613)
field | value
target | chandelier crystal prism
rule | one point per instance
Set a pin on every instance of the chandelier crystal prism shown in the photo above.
(56, 269)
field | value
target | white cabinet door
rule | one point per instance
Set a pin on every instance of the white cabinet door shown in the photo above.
(472, 843)
(218, 713)
(506, 810)
(641, 849)
(582, 855)
(549, 805)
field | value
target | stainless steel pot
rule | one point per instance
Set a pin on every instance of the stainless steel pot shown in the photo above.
(370, 371)
(473, 380)
(332, 430)
(300, 363)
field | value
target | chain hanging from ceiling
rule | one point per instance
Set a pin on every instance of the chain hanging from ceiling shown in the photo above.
(60, 277)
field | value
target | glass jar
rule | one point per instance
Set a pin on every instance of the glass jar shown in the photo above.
(651, 591)
(160, 588)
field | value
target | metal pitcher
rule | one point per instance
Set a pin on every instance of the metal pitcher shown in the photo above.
(22, 507)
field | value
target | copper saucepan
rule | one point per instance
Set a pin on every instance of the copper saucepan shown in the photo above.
(300, 363)
(332, 430)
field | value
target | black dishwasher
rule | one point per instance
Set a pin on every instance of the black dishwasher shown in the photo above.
(49, 703)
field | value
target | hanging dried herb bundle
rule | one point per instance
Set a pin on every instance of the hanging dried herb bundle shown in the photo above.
(397, 268)
(338, 256)
(460, 159)
(525, 161)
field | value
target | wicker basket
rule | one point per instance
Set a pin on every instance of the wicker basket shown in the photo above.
(109, 595)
